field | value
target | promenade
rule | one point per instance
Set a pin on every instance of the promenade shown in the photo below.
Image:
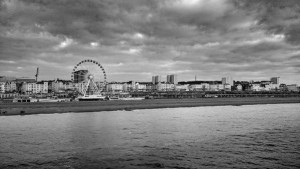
(128, 105)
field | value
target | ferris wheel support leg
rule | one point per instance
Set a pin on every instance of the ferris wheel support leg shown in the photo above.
(85, 88)
(95, 86)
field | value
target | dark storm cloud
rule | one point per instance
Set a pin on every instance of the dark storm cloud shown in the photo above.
(204, 37)
(77, 19)
(277, 16)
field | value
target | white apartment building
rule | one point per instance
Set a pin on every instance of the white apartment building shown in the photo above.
(164, 87)
(156, 79)
(292, 87)
(58, 86)
(275, 80)
(140, 87)
(172, 79)
(274, 86)
(239, 87)
(199, 87)
(227, 87)
(265, 87)
(227, 80)
(10, 86)
(2, 87)
(182, 87)
(149, 87)
(128, 86)
(167, 87)
(132, 86)
(196, 87)
(34, 88)
(216, 87)
(270, 87)
(114, 87)
(256, 87)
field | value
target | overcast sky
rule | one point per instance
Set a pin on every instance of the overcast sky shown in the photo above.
(136, 39)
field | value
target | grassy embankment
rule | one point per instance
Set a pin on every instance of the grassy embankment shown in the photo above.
(63, 107)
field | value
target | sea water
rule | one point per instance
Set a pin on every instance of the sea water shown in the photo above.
(250, 136)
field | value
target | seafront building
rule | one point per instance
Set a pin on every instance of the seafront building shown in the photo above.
(115, 87)
(239, 87)
(256, 87)
(11, 86)
(292, 87)
(2, 87)
(275, 80)
(199, 87)
(217, 87)
(58, 86)
(264, 86)
(172, 79)
(156, 79)
(227, 81)
(141, 86)
(129, 86)
(164, 87)
(35, 88)
(80, 76)
(181, 87)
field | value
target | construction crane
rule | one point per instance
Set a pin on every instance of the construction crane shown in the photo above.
(37, 74)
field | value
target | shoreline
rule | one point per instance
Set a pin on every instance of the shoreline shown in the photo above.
(96, 106)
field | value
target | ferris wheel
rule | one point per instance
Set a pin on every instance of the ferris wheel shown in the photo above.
(90, 77)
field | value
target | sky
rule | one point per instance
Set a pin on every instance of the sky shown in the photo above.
(137, 39)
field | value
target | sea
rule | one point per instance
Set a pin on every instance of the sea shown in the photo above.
(248, 136)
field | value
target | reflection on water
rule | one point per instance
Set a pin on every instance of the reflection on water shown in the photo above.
(253, 136)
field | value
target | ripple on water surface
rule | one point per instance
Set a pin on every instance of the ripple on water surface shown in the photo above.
(258, 136)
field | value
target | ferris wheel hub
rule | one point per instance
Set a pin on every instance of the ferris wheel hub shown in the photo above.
(90, 77)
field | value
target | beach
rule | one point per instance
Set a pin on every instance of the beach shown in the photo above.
(128, 105)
